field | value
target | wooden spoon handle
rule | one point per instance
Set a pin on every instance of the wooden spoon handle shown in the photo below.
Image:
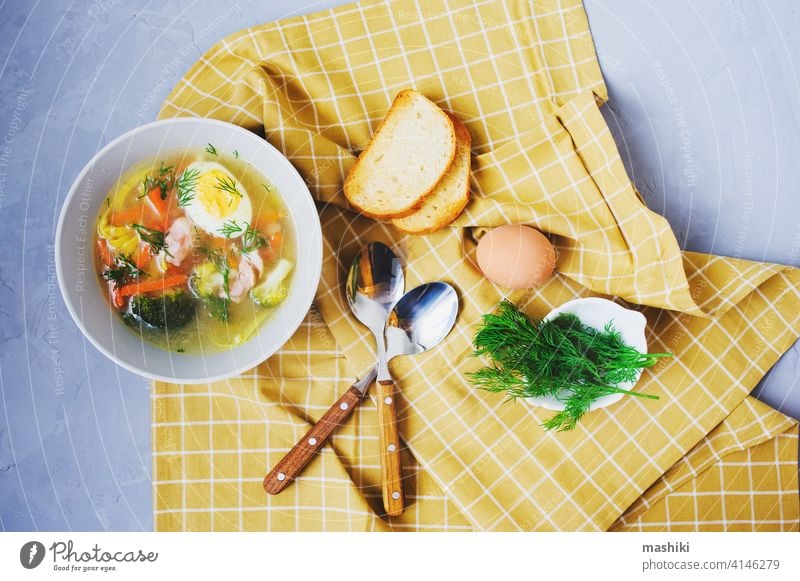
(290, 466)
(391, 466)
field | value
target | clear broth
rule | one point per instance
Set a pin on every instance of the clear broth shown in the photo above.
(206, 332)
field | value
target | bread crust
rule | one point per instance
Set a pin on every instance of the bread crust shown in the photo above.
(404, 97)
(451, 211)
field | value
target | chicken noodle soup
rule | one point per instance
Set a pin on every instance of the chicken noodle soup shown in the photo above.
(195, 249)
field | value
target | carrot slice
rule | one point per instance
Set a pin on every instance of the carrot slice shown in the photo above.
(128, 216)
(143, 257)
(139, 214)
(276, 241)
(262, 219)
(267, 255)
(116, 298)
(168, 281)
(175, 271)
(104, 252)
(159, 205)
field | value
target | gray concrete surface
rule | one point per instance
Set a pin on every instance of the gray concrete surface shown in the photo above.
(704, 106)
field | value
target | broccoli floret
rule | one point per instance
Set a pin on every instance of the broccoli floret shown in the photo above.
(168, 311)
(206, 280)
(210, 284)
(273, 290)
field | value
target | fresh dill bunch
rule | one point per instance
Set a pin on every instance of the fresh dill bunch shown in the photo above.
(186, 185)
(561, 357)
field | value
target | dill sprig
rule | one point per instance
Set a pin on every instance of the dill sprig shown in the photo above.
(225, 269)
(229, 228)
(164, 181)
(561, 357)
(186, 186)
(211, 149)
(226, 184)
(251, 238)
(218, 306)
(123, 271)
(155, 238)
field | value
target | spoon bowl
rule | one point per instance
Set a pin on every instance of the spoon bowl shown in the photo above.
(374, 284)
(422, 318)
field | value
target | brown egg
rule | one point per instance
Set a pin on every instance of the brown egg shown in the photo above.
(516, 256)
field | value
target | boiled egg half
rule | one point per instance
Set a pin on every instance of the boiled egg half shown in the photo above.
(218, 198)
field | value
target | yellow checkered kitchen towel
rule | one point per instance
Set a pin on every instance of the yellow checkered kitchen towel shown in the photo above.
(524, 78)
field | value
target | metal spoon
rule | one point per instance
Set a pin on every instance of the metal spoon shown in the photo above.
(374, 284)
(419, 321)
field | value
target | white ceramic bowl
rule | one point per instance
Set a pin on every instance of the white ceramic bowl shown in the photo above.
(75, 263)
(597, 313)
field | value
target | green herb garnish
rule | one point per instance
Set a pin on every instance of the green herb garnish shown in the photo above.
(165, 181)
(226, 184)
(220, 260)
(123, 271)
(165, 170)
(236, 153)
(186, 186)
(211, 149)
(266, 187)
(225, 270)
(251, 238)
(229, 228)
(218, 307)
(155, 238)
(561, 357)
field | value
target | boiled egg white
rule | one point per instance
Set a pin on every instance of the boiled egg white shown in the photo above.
(219, 198)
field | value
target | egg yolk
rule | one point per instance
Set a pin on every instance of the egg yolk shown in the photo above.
(214, 199)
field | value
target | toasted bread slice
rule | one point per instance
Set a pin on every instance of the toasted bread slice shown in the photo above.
(449, 198)
(405, 159)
